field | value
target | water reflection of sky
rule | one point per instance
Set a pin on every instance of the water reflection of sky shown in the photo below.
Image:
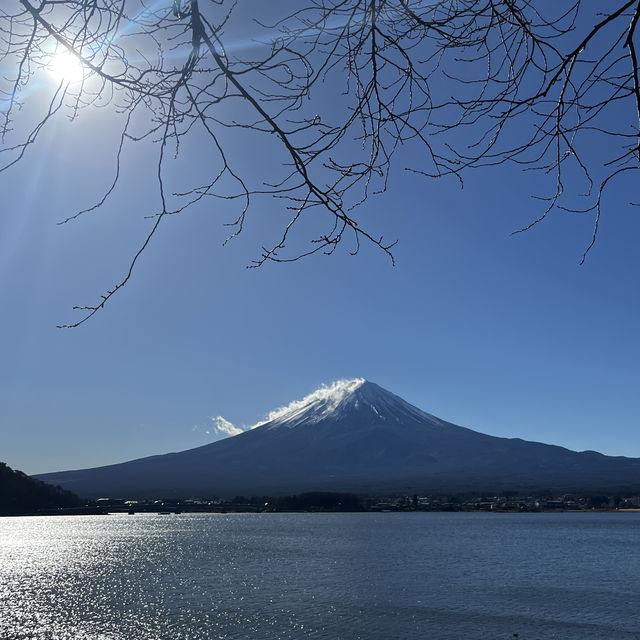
(331, 576)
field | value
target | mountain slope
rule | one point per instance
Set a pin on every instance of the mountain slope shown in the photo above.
(353, 436)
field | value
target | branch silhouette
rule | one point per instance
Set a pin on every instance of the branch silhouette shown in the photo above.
(470, 83)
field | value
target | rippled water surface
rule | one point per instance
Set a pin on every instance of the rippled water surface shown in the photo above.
(345, 576)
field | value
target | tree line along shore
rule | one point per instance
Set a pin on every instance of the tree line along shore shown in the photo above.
(23, 495)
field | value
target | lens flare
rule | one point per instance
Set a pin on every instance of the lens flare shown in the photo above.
(65, 67)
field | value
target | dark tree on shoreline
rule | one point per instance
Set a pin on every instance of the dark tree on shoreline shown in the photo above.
(21, 494)
(471, 83)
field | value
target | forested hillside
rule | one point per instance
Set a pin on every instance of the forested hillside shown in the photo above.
(21, 494)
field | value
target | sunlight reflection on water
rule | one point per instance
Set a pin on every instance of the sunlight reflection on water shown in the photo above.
(409, 576)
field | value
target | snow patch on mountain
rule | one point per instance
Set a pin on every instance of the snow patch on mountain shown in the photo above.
(320, 403)
(348, 400)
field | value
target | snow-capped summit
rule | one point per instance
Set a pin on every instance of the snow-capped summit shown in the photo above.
(341, 400)
(354, 436)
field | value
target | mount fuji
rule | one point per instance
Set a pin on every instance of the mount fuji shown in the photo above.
(354, 436)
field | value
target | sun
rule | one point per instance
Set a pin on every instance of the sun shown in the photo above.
(65, 67)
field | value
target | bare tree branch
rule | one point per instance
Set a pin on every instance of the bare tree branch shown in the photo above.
(464, 83)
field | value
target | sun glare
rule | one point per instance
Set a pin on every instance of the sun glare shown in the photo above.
(65, 67)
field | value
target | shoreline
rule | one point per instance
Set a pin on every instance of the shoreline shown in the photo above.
(90, 511)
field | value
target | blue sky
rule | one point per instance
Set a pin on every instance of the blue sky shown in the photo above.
(505, 334)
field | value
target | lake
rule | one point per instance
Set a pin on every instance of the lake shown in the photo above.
(369, 576)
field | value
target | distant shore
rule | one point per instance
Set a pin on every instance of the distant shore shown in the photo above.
(335, 502)
(92, 511)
